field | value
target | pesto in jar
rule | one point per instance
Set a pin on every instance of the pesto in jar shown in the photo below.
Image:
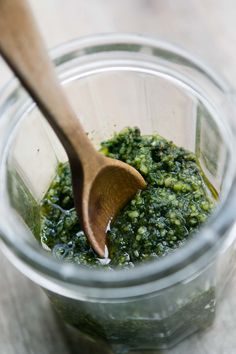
(154, 223)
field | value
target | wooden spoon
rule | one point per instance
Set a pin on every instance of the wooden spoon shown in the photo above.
(101, 186)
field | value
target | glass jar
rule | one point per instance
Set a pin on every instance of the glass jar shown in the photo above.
(113, 81)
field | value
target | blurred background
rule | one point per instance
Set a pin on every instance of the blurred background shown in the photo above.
(206, 28)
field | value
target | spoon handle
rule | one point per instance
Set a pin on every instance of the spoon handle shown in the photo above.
(23, 49)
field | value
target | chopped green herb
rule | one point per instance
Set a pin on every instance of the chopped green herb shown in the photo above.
(154, 223)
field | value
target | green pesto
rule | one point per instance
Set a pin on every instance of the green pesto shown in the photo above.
(154, 223)
(139, 325)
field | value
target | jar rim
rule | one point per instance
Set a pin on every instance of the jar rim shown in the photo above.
(143, 273)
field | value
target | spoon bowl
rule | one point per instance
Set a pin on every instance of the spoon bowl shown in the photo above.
(112, 187)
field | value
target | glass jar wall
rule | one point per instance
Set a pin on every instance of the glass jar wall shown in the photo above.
(114, 81)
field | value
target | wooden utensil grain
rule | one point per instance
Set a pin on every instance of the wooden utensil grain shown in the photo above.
(101, 185)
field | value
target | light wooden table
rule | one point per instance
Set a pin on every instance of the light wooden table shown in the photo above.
(28, 325)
